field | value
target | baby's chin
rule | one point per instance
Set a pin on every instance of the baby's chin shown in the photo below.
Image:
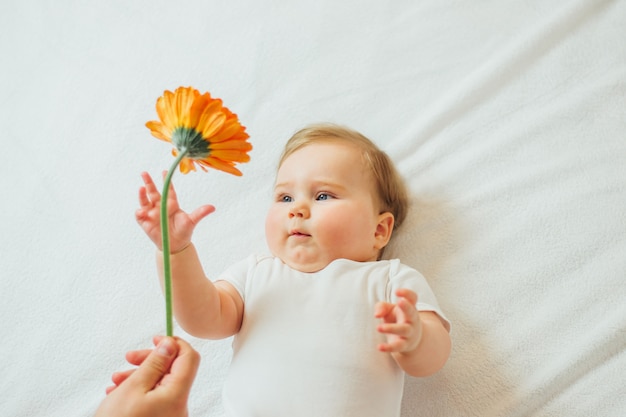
(303, 263)
(306, 267)
(313, 266)
(301, 259)
(310, 265)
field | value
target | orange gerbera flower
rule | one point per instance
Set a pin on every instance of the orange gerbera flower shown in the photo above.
(204, 132)
(203, 129)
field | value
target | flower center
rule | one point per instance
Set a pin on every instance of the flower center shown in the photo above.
(189, 138)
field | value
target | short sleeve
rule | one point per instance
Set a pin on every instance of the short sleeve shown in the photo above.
(238, 273)
(403, 276)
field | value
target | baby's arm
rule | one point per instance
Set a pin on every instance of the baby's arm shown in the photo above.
(204, 309)
(201, 308)
(418, 341)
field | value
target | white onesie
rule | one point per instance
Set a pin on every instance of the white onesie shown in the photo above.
(308, 341)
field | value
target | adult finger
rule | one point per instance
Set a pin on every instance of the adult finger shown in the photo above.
(183, 370)
(110, 389)
(118, 377)
(155, 365)
(136, 357)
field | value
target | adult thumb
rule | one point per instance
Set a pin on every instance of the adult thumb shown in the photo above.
(156, 365)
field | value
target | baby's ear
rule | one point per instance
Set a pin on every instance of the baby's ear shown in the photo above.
(384, 228)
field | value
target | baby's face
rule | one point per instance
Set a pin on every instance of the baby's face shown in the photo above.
(324, 208)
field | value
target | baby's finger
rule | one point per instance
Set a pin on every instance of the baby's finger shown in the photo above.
(201, 212)
(171, 191)
(407, 294)
(381, 309)
(395, 346)
(409, 312)
(151, 190)
(401, 329)
(141, 215)
(143, 198)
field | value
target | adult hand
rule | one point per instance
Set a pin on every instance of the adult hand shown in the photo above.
(158, 387)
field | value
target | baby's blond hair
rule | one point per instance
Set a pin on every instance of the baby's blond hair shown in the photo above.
(390, 187)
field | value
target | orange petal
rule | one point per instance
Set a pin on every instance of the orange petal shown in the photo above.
(159, 130)
(238, 144)
(221, 131)
(184, 99)
(166, 111)
(230, 155)
(212, 119)
(198, 106)
(231, 128)
(220, 165)
(186, 165)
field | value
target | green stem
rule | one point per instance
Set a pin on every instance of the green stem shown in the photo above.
(167, 268)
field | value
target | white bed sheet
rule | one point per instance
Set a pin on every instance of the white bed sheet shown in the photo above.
(508, 120)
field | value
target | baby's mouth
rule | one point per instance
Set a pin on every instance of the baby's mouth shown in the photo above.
(298, 233)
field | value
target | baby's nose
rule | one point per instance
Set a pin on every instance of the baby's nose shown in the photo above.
(299, 210)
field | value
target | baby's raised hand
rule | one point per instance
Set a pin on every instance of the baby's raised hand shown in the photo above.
(181, 224)
(400, 323)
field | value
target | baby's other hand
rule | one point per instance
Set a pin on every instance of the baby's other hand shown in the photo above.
(400, 323)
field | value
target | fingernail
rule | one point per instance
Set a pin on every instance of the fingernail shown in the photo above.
(166, 347)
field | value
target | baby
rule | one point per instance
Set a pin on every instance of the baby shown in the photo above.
(323, 326)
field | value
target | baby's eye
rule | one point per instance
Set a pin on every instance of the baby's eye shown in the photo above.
(285, 199)
(323, 196)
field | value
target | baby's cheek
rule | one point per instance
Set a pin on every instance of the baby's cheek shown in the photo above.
(272, 235)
